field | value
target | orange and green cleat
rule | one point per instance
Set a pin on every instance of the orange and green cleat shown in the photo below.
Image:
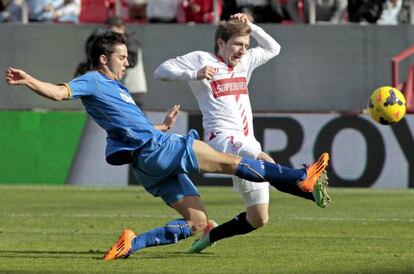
(313, 172)
(320, 193)
(204, 241)
(122, 247)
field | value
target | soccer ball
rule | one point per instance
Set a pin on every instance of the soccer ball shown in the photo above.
(386, 105)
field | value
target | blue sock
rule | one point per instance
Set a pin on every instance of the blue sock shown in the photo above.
(261, 171)
(171, 233)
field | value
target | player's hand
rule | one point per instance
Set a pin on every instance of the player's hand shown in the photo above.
(263, 156)
(240, 16)
(16, 76)
(171, 117)
(206, 72)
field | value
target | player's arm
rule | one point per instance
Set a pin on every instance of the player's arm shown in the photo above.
(51, 91)
(169, 119)
(266, 43)
(267, 46)
(184, 68)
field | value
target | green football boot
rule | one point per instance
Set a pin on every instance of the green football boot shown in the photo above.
(200, 244)
(204, 241)
(320, 193)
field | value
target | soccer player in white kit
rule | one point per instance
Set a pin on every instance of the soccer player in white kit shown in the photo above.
(219, 82)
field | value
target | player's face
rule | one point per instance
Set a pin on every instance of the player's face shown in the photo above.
(118, 62)
(235, 48)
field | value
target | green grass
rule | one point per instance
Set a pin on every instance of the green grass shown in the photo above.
(67, 229)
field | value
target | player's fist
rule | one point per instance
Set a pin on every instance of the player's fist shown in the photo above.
(206, 72)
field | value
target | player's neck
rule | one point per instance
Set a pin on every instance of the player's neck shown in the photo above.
(107, 73)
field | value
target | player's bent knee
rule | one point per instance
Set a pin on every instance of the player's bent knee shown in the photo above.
(263, 222)
(258, 220)
(260, 223)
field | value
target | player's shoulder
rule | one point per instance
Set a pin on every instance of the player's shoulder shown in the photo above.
(96, 76)
(199, 57)
(89, 74)
(209, 57)
(91, 78)
(81, 78)
(199, 54)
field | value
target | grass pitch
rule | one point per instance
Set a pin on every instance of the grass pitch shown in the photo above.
(67, 229)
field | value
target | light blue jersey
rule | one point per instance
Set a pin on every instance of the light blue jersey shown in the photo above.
(112, 107)
(160, 161)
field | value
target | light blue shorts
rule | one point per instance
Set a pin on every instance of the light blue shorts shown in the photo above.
(162, 165)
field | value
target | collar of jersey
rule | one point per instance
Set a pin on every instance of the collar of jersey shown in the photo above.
(104, 74)
(229, 69)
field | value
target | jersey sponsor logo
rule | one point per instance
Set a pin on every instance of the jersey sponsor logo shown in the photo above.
(230, 86)
(127, 98)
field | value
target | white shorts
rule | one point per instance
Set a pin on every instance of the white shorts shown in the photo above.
(253, 193)
(255, 197)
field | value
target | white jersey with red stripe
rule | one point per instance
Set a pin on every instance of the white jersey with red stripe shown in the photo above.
(224, 100)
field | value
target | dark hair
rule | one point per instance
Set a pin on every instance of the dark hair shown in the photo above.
(104, 45)
(228, 29)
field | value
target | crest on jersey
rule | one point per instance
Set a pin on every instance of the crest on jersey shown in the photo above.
(127, 98)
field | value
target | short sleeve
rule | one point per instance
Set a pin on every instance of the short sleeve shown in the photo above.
(80, 86)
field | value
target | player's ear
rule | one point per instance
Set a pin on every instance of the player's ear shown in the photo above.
(220, 43)
(103, 59)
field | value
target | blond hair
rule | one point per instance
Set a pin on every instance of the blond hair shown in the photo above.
(228, 29)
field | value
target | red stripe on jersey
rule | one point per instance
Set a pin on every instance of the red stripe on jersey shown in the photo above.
(231, 86)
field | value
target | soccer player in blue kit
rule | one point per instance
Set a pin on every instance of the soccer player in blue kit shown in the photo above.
(160, 161)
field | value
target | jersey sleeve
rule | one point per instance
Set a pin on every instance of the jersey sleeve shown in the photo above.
(267, 47)
(183, 67)
(79, 87)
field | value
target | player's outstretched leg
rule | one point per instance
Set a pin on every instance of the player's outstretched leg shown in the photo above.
(319, 195)
(313, 173)
(305, 178)
(236, 226)
(128, 243)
